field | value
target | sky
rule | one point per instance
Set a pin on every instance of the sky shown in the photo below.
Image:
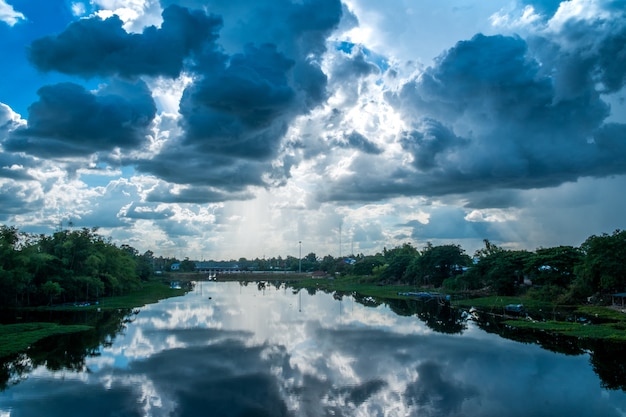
(216, 129)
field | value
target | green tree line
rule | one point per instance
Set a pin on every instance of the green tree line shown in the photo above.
(563, 273)
(80, 265)
(67, 266)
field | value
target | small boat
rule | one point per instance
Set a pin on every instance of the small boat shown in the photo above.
(514, 308)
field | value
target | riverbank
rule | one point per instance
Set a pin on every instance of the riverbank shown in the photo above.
(149, 293)
(17, 337)
(580, 321)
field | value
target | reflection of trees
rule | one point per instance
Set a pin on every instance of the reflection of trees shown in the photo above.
(437, 316)
(550, 341)
(67, 351)
(606, 357)
(608, 361)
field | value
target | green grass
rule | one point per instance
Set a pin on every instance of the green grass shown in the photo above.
(600, 312)
(614, 327)
(149, 293)
(15, 338)
(598, 331)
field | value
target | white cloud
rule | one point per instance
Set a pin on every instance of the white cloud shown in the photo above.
(136, 14)
(577, 10)
(515, 19)
(9, 15)
(78, 9)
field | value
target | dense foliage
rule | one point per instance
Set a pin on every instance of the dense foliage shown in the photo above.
(562, 274)
(67, 266)
(79, 265)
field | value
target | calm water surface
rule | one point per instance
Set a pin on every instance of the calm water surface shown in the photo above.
(231, 350)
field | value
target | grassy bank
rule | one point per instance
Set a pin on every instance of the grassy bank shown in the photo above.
(15, 338)
(149, 293)
(611, 331)
(599, 322)
(608, 323)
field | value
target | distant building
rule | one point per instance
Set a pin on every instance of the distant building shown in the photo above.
(175, 266)
(218, 267)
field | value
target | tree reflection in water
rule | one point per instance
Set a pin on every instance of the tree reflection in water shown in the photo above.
(69, 352)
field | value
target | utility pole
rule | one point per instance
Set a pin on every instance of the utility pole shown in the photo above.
(300, 257)
(339, 240)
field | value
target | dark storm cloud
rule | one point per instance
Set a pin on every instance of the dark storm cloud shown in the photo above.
(493, 113)
(429, 143)
(235, 111)
(238, 108)
(245, 91)
(94, 47)
(612, 61)
(243, 109)
(165, 193)
(68, 120)
(493, 199)
(189, 165)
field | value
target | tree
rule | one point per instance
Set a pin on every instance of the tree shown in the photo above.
(397, 261)
(365, 265)
(554, 266)
(52, 290)
(437, 263)
(310, 262)
(502, 270)
(603, 267)
(328, 264)
(187, 266)
(145, 265)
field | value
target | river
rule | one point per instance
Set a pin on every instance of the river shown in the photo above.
(226, 349)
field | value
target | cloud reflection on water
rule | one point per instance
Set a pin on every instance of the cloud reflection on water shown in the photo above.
(274, 353)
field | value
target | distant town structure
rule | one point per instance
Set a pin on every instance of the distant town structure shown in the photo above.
(218, 267)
